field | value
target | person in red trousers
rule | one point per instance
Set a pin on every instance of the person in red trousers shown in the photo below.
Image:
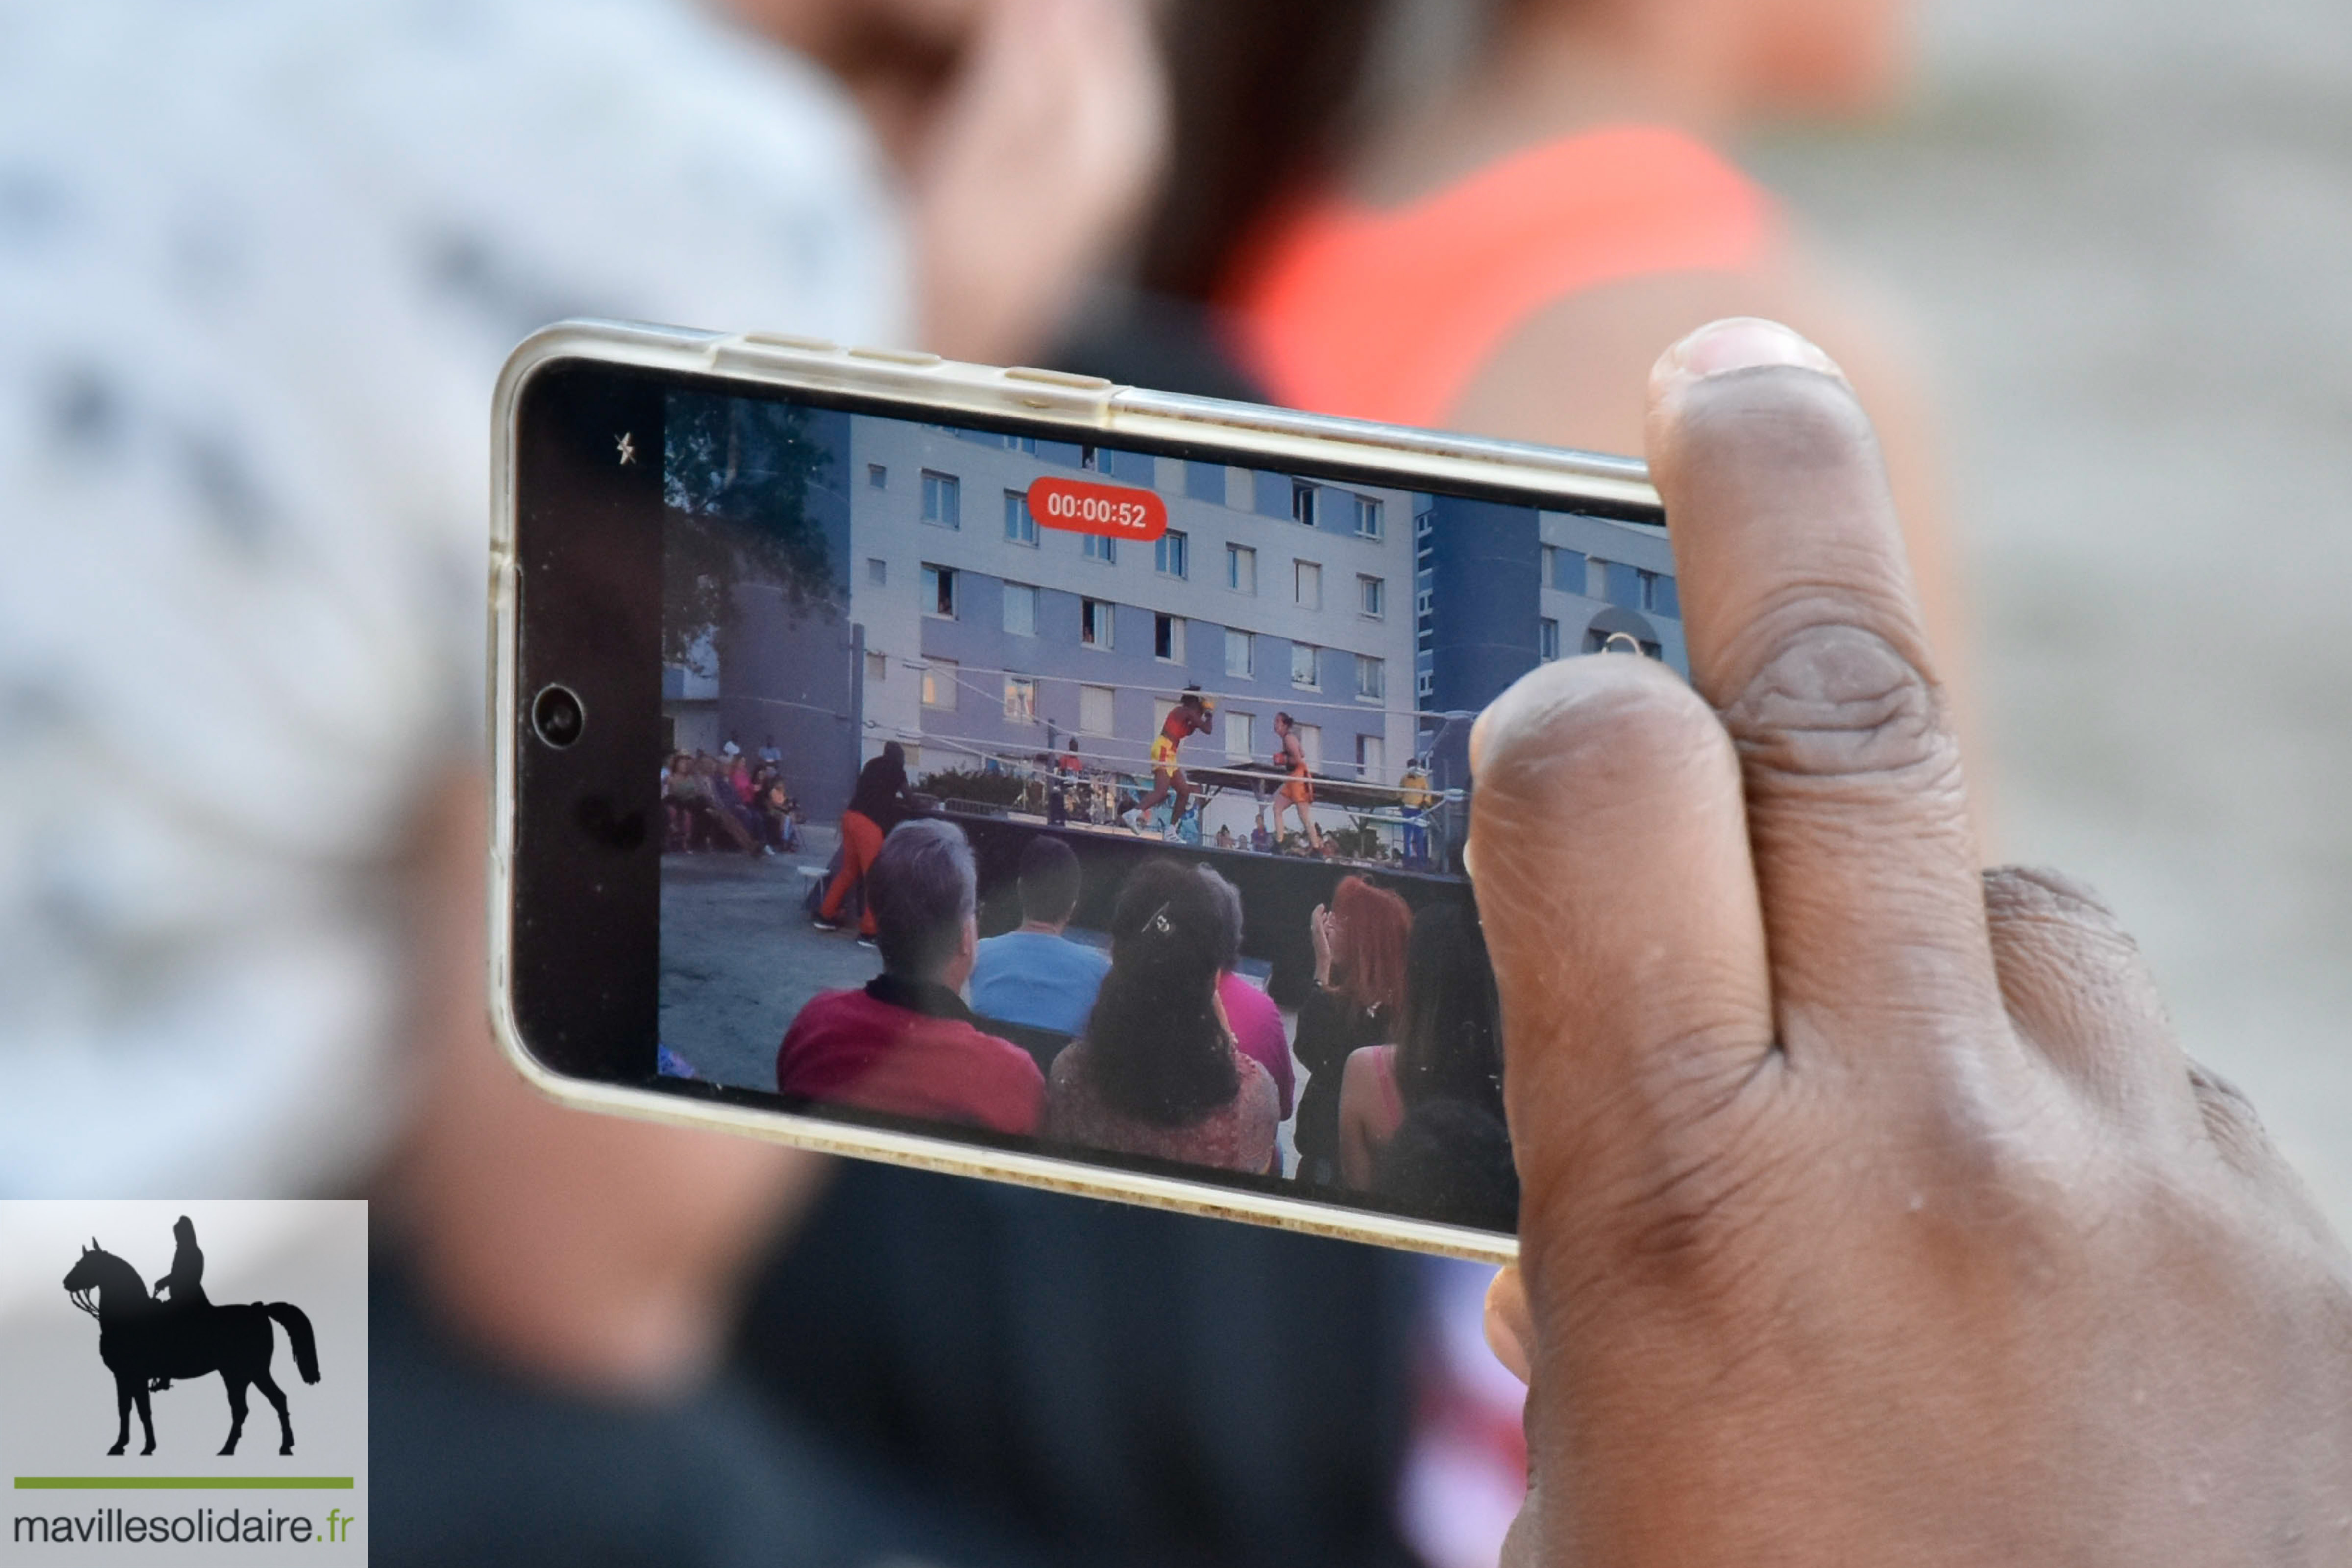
(876, 806)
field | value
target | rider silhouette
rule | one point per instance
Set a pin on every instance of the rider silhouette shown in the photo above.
(186, 1281)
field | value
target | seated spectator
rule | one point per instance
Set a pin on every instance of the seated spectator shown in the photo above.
(1259, 839)
(1256, 1021)
(1034, 974)
(779, 817)
(1156, 1072)
(1225, 836)
(906, 1043)
(1451, 1160)
(1358, 1000)
(702, 795)
(1451, 1047)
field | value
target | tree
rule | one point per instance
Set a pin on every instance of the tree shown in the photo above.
(736, 477)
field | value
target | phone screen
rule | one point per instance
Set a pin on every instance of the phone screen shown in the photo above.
(1102, 802)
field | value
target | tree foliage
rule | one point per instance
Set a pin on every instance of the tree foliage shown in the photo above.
(736, 477)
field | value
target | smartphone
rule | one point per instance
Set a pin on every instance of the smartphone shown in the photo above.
(1012, 774)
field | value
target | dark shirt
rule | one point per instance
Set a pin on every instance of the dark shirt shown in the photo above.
(1329, 1027)
(881, 792)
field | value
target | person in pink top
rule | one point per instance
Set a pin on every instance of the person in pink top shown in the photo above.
(1157, 1072)
(906, 1043)
(1256, 1021)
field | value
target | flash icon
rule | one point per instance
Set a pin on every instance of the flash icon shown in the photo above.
(627, 447)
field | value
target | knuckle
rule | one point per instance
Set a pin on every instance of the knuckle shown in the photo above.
(2037, 893)
(1831, 701)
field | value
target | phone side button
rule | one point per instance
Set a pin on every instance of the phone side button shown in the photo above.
(1058, 378)
(897, 356)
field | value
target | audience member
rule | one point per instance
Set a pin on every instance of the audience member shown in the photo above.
(1451, 1159)
(1451, 1047)
(781, 816)
(877, 805)
(1034, 974)
(1358, 1000)
(1225, 836)
(1254, 1019)
(1259, 839)
(906, 1043)
(1157, 1072)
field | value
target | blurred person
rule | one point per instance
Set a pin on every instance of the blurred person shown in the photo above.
(1030, 132)
(1034, 974)
(906, 1043)
(1450, 1047)
(1358, 999)
(1250, 1013)
(1156, 1071)
(1505, 254)
(1415, 798)
(1224, 839)
(1451, 1159)
(261, 267)
(877, 805)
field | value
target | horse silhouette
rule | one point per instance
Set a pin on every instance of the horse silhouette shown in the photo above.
(146, 1342)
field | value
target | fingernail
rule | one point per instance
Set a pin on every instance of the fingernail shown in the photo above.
(1741, 343)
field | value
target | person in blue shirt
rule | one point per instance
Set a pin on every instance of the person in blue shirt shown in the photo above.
(1034, 974)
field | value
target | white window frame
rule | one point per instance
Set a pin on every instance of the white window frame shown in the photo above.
(1236, 557)
(1247, 642)
(1376, 591)
(940, 678)
(1097, 624)
(942, 488)
(1298, 581)
(1026, 594)
(1020, 698)
(1314, 665)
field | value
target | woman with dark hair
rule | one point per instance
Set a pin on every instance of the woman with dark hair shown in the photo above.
(1358, 1000)
(1157, 1072)
(1451, 1047)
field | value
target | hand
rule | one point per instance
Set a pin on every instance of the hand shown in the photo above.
(1871, 1214)
(1320, 930)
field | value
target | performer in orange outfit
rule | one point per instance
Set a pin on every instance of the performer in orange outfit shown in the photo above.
(1195, 715)
(1299, 791)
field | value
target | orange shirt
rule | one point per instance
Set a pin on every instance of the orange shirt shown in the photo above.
(1389, 313)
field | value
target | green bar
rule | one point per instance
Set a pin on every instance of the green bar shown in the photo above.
(184, 1483)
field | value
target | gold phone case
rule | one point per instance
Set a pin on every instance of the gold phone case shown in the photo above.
(928, 386)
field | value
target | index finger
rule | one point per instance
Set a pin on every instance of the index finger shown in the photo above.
(1805, 635)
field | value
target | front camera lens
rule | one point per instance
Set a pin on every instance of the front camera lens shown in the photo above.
(556, 714)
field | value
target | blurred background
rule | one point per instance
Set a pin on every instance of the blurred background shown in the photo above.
(2121, 230)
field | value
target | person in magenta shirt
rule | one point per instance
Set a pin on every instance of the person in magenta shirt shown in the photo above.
(1256, 1021)
(906, 1043)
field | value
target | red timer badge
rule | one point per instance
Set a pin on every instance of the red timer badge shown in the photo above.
(1078, 506)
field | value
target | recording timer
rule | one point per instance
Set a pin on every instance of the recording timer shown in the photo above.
(1082, 506)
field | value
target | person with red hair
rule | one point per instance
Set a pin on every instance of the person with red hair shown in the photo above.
(1358, 1000)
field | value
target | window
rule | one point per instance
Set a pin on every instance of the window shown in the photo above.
(1371, 677)
(1240, 568)
(1424, 603)
(1020, 527)
(1424, 684)
(878, 476)
(877, 666)
(1311, 743)
(1021, 444)
(1547, 639)
(877, 571)
(1167, 638)
(1596, 578)
(1372, 596)
(1102, 548)
(939, 591)
(1371, 758)
(1564, 570)
(1307, 585)
(1168, 556)
(1665, 598)
(1306, 665)
(1241, 739)
(1021, 609)
(1241, 653)
(1204, 481)
(1094, 704)
(1020, 698)
(1302, 501)
(942, 499)
(940, 683)
(1548, 566)
(1088, 458)
(1094, 623)
(1367, 517)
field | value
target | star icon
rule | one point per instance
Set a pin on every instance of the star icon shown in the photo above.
(628, 447)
